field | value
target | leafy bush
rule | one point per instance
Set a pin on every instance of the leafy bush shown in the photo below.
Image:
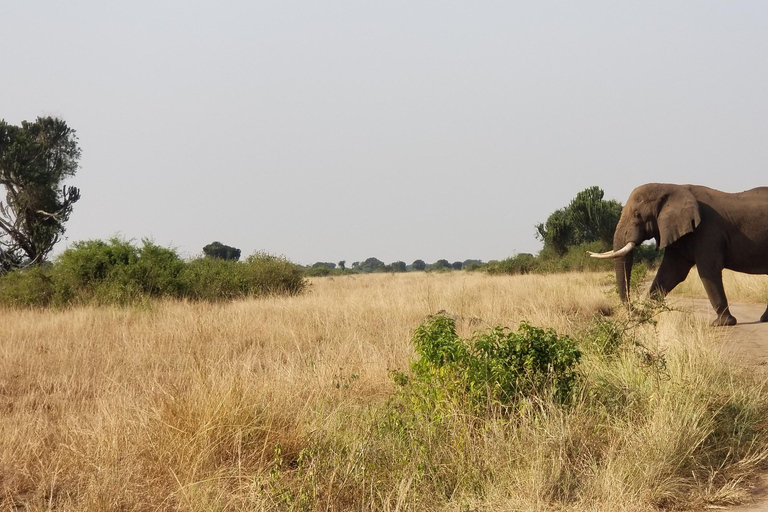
(27, 288)
(211, 279)
(266, 274)
(440, 265)
(523, 263)
(96, 271)
(496, 366)
(117, 272)
(576, 259)
(317, 271)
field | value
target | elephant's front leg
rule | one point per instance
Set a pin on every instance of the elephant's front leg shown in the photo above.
(672, 271)
(713, 284)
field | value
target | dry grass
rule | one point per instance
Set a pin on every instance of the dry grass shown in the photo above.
(738, 287)
(282, 404)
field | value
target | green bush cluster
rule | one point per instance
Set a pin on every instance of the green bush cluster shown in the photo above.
(493, 367)
(119, 272)
(575, 259)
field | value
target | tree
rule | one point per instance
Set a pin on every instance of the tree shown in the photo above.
(419, 265)
(343, 265)
(588, 218)
(457, 265)
(398, 266)
(221, 251)
(440, 264)
(35, 159)
(558, 232)
(372, 265)
(594, 218)
(471, 264)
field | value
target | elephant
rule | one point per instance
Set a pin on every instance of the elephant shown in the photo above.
(695, 225)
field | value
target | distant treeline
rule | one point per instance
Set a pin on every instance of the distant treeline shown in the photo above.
(574, 259)
(372, 265)
(586, 224)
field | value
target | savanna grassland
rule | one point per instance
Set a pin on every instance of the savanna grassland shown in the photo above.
(289, 403)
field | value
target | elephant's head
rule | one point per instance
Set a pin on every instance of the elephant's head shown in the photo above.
(656, 210)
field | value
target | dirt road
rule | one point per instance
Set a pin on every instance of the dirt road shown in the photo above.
(749, 342)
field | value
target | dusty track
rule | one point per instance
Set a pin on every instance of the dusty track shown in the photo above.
(748, 341)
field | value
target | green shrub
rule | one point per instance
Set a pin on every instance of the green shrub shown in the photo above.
(576, 259)
(157, 271)
(260, 274)
(117, 272)
(266, 274)
(522, 263)
(211, 279)
(95, 271)
(31, 287)
(604, 336)
(496, 366)
(320, 271)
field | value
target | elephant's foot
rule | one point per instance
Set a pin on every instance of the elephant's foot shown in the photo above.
(724, 319)
(764, 318)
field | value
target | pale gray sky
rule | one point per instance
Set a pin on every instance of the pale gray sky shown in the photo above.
(329, 130)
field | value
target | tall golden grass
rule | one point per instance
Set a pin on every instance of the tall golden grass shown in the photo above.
(286, 404)
(738, 287)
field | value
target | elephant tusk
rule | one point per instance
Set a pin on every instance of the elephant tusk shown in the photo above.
(613, 254)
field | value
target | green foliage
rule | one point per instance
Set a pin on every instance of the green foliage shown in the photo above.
(440, 265)
(317, 271)
(268, 274)
(648, 255)
(575, 259)
(557, 232)
(29, 288)
(493, 367)
(371, 265)
(471, 264)
(594, 218)
(399, 266)
(588, 218)
(419, 265)
(522, 263)
(118, 272)
(260, 274)
(35, 159)
(320, 269)
(219, 250)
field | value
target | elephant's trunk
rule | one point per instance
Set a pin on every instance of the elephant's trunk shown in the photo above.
(623, 264)
(623, 267)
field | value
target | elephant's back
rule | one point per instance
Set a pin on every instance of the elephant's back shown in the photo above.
(757, 195)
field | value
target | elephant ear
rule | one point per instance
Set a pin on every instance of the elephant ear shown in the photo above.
(679, 215)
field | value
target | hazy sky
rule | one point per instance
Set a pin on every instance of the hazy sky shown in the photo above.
(330, 130)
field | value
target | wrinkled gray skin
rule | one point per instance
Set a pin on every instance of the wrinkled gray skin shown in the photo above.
(696, 226)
